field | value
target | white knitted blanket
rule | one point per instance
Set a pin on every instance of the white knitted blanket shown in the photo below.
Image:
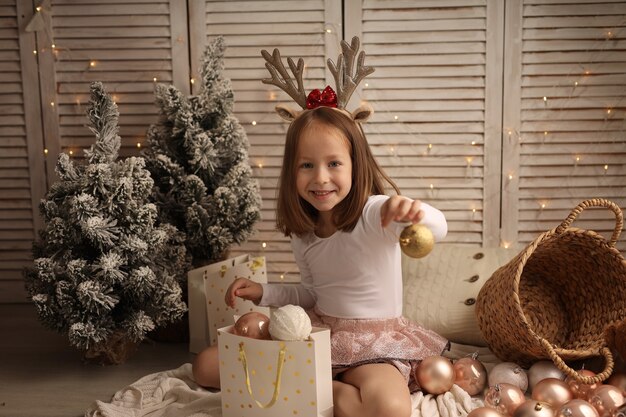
(173, 393)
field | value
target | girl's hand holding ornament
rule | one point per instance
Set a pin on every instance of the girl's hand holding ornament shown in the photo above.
(243, 288)
(400, 209)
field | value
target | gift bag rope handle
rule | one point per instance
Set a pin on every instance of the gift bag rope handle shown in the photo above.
(279, 373)
(560, 363)
(595, 202)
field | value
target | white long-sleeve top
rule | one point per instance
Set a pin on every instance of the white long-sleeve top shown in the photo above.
(353, 274)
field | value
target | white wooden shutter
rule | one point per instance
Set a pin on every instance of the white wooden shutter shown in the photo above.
(565, 110)
(437, 98)
(307, 29)
(22, 179)
(128, 46)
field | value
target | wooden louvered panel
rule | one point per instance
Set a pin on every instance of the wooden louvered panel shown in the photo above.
(22, 174)
(298, 29)
(431, 93)
(126, 46)
(567, 119)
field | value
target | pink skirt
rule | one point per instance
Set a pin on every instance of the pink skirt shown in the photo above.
(396, 341)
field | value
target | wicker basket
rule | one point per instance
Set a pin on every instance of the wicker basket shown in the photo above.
(556, 297)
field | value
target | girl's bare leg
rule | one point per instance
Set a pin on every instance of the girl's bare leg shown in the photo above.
(373, 390)
(206, 371)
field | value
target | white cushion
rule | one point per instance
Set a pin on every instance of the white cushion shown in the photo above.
(440, 289)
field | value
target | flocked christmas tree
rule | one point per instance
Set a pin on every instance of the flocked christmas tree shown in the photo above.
(198, 156)
(104, 270)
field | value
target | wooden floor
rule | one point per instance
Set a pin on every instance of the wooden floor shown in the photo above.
(42, 376)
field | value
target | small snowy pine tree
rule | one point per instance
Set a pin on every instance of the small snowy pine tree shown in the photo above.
(198, 156)
(104, 269)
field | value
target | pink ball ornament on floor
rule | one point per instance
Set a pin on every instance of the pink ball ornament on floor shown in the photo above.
(254, 325)
(606, 399)
(505, 398)
(552, 391)
(470, 374)
(484, 412)
(542, 370)
(619, 412)
(508, 373)
(579, 389)
(618, 379)
(577, 408)
(533, 408)
(435, 375)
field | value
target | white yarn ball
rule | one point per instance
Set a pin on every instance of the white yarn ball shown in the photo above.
(290, 322)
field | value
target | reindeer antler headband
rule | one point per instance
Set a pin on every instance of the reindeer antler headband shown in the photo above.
(345, 82)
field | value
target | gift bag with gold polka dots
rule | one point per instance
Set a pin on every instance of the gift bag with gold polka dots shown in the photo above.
(270, 378)
(207, 287)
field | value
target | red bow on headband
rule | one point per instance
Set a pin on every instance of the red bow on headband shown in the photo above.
(326, 98)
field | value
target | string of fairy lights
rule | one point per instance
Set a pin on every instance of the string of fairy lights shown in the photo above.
(419, 143)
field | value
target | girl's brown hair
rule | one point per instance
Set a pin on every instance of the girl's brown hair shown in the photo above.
(293, 213)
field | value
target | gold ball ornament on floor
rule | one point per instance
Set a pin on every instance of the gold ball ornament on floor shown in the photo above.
(416, 240)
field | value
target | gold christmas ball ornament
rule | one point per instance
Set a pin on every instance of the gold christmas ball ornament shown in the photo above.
(417, 241)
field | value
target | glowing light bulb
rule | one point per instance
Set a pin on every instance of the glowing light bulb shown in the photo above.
(395, 117)
(367, 84)
(52, 103)
(606, 167)
(45, 151)
(192, 81)
(53, 46)
(329, 31)
(473, 142)
(154, 79)
(34, 51)
(138, 145)
(71, 152)
(608, 111)
(282, 276)
(510, 177)
(505, 245)
(432, 186)
(545, 99)
(260, 166)
(264, 245)
(430, 146)
(38, 8)
(575, 83)
(254, 123)
(92, 64)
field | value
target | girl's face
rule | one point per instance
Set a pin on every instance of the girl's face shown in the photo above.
(323, 167)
